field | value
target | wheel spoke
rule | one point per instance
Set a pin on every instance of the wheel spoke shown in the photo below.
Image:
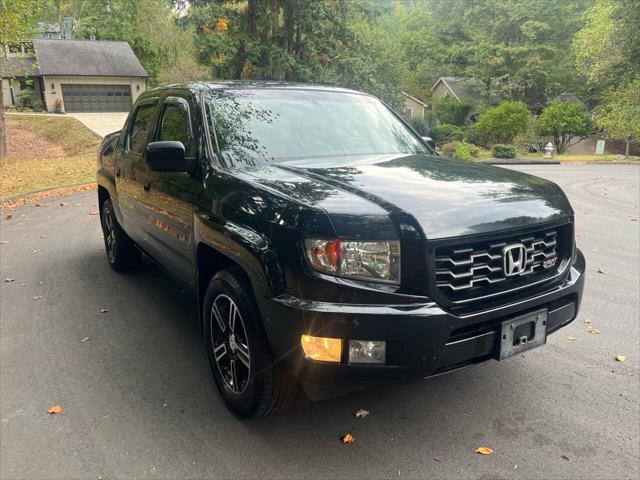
(233, 312)
(234, 376)
(216, 313)
(243, 354)
(220, 351)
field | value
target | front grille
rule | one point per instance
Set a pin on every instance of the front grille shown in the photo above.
(466, 271)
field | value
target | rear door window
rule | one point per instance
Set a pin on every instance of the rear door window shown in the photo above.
(140, 128)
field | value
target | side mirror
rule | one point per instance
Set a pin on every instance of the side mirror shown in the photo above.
(165, 156)
(429, 141)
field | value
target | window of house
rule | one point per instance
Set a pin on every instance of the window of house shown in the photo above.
(142, 125)
(175, 126)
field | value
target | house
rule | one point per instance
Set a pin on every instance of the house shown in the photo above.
(449, 87)
(413, 108)
(74, 75)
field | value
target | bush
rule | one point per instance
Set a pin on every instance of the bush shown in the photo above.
(37, 106)
(461, 150)
(448, 148)
(451, 111)
(25, 98)
(564, 122)
(503, 151)
(447, 133)
(502, 123)
(418, 125)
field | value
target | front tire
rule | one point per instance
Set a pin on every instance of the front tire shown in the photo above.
(122, 254)
(249, 381)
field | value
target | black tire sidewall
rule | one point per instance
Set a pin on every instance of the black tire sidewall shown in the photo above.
(246, 403)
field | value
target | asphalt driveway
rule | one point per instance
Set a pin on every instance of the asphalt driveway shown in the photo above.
(139, 402)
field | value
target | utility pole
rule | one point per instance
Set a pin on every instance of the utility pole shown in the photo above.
(626, 149)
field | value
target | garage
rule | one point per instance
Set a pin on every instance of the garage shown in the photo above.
(96, 98)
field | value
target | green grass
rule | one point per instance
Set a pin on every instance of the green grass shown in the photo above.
(46, 152)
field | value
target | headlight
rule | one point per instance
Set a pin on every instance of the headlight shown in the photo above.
(376, 260)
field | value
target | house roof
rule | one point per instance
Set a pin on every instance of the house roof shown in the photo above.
(414, 99)
(13, 67)
(87, 57)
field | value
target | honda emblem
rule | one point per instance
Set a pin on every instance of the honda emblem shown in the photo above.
(514, 259)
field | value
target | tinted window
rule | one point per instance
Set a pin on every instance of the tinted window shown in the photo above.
(142, 125)
(278, 125)
(175, 126)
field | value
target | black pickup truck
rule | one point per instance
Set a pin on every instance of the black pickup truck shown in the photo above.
(327, 244)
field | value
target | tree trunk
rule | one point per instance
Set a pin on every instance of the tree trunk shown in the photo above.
(3, 131)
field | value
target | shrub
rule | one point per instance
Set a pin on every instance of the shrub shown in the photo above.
(38, 106)
(447, 133)
(25, 98)
(564, 122)
(418, 125)
(502, 123)
(448, 148)
(449, 110)
(503, 151)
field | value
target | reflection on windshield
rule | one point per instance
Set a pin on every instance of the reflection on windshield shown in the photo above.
(277, 125)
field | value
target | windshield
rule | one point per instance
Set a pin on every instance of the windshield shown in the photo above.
(279, 125)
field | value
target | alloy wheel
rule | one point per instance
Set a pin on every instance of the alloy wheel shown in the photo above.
(230, 344)
(109, 234)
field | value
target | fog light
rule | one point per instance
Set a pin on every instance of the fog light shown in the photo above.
(321, 348)
(367, 351)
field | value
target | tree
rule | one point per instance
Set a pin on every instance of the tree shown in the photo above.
(566, 123)
(607, 53)
(16, 23)
(450, 110)
(502, 123)
(619, 113)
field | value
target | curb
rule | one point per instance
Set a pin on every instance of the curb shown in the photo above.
(519, 161)
(55, 192)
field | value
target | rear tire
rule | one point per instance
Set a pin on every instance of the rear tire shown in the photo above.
(243, 367)
(122, 253)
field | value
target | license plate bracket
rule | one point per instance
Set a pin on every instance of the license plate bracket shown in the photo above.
(523, 333)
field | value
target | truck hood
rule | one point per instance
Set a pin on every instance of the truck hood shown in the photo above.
(441, 197)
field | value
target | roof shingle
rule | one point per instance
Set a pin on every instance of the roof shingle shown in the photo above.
(87, 57)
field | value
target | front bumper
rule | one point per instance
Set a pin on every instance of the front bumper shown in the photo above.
(422, 339)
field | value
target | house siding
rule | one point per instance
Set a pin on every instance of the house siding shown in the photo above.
(441, 91)
(53, 89)
(413, 109)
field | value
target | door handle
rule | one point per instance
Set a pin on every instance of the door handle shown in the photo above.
(147, 186)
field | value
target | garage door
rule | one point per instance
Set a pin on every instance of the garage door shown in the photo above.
(96, 98)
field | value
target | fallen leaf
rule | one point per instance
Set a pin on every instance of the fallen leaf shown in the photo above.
(2, 242)
(594, 330)
(55, 409)
(571, 338)
(37, 297)
(437, 459)
(37, 204)
(348, 438)
(361, 413)
(484, 450)
(85, 339)
(103, 310)
(93, 213)
(579, 236)
(620, 358)
(9, 279)
(587, 320)
(600, 271)
(564, 457)
(44, 236)
(8, 217)
(36, 251)
(62, 204)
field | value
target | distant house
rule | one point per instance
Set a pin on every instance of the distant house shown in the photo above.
(413, 108)
(447, 87)
(76, 75)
